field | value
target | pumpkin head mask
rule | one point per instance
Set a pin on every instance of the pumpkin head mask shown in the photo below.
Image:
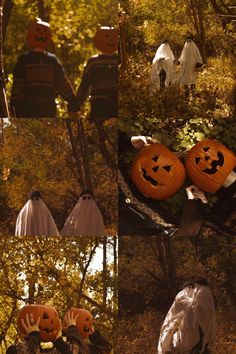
(208, 164)
(49, 324)
(157, 172)
(39, 34)
(84, 321)
(106, 40)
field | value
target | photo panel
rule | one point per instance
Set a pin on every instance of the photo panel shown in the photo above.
(54, 173)
(70, 286)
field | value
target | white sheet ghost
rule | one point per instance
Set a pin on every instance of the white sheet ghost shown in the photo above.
(35, 219)
(163, 60)
(85, 219)
(190, 56)
(191, 309)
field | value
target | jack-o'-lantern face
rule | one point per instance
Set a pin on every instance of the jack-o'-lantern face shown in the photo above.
(39, 35)
(157, 172)
(106, 40)
(84, 321)
(208, 164)
(49, 324)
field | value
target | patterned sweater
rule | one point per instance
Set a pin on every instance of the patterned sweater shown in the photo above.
(100, 82)
(38, 78)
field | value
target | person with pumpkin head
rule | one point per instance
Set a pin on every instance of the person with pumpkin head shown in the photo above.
(94, 342)
(37, 330)
(100, 83)
(100, 77)
(38, 77)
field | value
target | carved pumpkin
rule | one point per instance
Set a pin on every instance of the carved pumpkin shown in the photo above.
(106, 40)
(208, 164)
(39, 34)
(49, 324)
(157, 172)
(84, 321)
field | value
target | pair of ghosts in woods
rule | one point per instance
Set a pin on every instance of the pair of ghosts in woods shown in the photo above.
(164, 64)
(158, 173)
(35, 218)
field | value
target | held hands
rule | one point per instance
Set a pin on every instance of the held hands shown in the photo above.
(29, 325)
(193, 192)
(140, 141)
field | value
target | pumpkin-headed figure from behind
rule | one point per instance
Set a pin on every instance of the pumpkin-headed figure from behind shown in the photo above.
(39, 35)
(208, 165)
(49, 324)
(84, 321)
(106, 40)
(157, 172)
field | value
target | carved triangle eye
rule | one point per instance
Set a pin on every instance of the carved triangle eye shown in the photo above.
(155, 169)
(167, 168)
(197, 159)
(206, 149)
(155, 158)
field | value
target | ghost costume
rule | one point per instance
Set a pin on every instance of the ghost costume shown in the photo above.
(204, 313)
(190, 56)
(178, 330)
(84, 220)
(163, 60)
(191, 309)
(35, 220)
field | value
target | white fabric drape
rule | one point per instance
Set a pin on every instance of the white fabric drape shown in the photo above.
(84, 220)
(190, 56)
(35, 219)
(191, 309)
(164, 59)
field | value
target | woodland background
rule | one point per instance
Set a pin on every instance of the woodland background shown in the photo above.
(63, 274)
(153, 269)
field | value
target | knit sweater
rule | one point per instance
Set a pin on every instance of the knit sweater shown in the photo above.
(38, 78)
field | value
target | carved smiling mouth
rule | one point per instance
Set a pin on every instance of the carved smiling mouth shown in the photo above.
(214, 164)
(150, 179)
(47, 330)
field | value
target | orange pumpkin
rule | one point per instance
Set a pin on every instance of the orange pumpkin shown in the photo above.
(84, 321)
(49, 324)
(157, 172)
(208, 164)
(106, 40)
(39, 34)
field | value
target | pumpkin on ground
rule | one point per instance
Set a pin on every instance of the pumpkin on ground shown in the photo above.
(106, 40)
(157, 172)
(39, 34)
(84, 321)
(208, 164)
(49, 324)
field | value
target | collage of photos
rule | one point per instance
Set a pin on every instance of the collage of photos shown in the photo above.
(118, 177)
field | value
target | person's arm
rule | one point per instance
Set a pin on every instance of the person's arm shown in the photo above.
(99, 345)
(17, 93)
(84, 86)
(63, 86)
